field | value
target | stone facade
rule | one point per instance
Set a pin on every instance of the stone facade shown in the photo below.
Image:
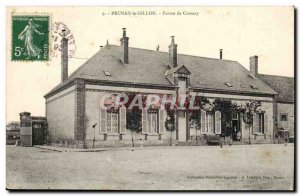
(287, 122)
(76, 118)
(82, 101)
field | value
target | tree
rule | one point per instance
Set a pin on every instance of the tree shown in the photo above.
(196, 114)
(226, 107)
(13, 125)
(134, 120)
(247, 112)
(133, 116)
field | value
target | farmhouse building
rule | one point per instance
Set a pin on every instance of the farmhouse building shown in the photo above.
(75, 117)
(284, 104)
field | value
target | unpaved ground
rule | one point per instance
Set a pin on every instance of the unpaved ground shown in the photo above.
(160, 168)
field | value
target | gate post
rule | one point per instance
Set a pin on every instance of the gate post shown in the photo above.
(25, 129)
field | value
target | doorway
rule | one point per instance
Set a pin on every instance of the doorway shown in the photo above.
(39, 132)
(236, 127)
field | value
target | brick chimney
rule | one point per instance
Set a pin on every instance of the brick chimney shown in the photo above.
(173, 53)
(254, 65)
(64, 56)
(221, 53)
(124, 44)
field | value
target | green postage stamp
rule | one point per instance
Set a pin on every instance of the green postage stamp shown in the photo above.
(30, 38)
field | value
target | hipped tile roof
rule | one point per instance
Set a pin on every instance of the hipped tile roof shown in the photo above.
(284, 86)
(149, 67)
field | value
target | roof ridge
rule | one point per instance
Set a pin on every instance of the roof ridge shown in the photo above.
(277, 76)
(177, 54)
(149, 66)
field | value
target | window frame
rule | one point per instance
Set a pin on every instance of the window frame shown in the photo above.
(110, 113)
(283, 114)
(235, 116)
(210, 116)
(150, 113)
(107, 73)
(261, 122)
(228, 84)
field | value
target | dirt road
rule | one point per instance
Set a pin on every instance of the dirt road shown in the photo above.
(249, 167)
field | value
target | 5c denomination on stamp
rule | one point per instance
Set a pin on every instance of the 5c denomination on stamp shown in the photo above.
(30, 38)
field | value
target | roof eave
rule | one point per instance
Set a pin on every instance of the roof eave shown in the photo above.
(107, 82)
(234, 91)
(55, 89)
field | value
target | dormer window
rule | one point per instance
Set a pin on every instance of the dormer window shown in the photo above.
(107, 73)
(252, 86)
(228, 84)
(242, 86)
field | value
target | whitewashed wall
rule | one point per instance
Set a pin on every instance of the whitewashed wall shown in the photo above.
(92, 108)
(60, 113)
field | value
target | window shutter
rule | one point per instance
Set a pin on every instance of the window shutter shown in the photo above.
(161, 123)
(122, 122)
(203, 121)
(144, 120)
(265, 123)
(285, 124)
(255, 122)
(103, 114)
(217, 122)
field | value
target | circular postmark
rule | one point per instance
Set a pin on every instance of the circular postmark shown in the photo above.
(57, 29)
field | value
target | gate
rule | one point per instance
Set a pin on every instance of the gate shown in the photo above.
(33, 130)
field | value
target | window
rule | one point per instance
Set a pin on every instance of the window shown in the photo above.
(37, 126)
(260, 121)
(152, 120)
(112, 120)
(228, 84)
(210, 122)
(107, 73)
(243, 86)
(283, 117)
(252, 86)
(235, 116)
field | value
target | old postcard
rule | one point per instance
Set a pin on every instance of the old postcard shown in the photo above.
(150, 98)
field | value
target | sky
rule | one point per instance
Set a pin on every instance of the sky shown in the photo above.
(240, 31)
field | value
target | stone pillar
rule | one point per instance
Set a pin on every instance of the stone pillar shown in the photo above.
(181, 114)
(25, 129)
(275, 116)
(188, 131)
(80, 112)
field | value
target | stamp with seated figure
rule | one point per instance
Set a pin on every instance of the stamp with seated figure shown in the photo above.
(30, 38)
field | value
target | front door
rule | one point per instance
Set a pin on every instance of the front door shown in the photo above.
(235, 127)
